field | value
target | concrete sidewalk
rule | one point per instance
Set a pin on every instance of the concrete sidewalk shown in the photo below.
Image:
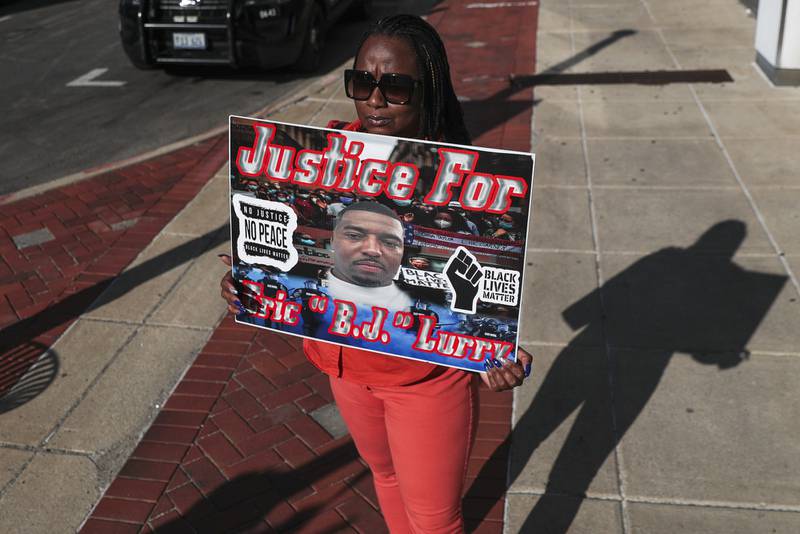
(664, 297)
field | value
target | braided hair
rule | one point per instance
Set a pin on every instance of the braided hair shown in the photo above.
(442, 118)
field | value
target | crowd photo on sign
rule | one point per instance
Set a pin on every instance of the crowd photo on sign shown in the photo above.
(421, 237)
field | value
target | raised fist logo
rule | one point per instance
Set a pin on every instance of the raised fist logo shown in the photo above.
(463, 274)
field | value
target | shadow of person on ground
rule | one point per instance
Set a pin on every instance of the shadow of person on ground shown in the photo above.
(502, 104)
(693, 300)
(505, 107)
(244, 503)
(23, 343)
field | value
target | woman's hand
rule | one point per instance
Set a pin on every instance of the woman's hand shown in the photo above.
(228, 289)
(507, 375)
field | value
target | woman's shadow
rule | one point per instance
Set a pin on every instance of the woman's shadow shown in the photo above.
(693, 300)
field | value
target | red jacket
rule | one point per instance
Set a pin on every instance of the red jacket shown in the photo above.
(361, 366)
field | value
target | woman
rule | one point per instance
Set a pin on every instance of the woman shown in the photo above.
(412, 422)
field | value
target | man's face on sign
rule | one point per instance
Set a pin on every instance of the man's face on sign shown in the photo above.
(367, 248)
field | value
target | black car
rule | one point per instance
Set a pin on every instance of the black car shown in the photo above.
(238, 33)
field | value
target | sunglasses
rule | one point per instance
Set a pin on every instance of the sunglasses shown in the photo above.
(395, 88)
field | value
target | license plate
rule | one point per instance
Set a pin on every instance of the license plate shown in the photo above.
(190, 41)
(268, 13)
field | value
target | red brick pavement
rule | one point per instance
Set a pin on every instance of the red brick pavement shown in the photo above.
(99, 226)
(234, 448)
(487, 48)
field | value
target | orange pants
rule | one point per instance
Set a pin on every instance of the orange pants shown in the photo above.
(416, 440)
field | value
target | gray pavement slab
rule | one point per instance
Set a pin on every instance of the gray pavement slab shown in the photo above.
(724, 435)
(559, 162)
(747, 85)
(680, 37)
(82, 353)
(781, 211)
(30, 239)
(300, 111)
(196, 303)
(771, 162)
(794, 264)
(644, 119)
(593, 517)
(331, 420)
(319, 109)
(642, 49)
(736, 60)
(555, 282)
(126, 399)
(12, 462)
(554, 93)
(556, 118)
(561, 219)
(636, 93)
(554, 46)
(756, 118)
(647, 219)
(552, 6)
(136, 293)
(335, 89)
(610, 17)
(620, 4)
(675, 519)
(686, 14)
(658, 162)
(335, 109)
(53, 495)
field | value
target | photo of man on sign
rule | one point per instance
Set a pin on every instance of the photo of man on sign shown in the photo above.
(367, 252)
(386, 244)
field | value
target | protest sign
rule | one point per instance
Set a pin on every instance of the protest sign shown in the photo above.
(410, 248)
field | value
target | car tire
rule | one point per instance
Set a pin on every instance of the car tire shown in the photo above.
(135, 53)
(311, 55)
(141, 65)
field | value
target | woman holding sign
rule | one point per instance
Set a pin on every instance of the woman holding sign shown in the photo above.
(413, 422)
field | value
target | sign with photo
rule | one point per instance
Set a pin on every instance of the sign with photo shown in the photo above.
(410, 248)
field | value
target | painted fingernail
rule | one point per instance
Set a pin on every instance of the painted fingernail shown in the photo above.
(496, 363)
(527, 370)
(239, 305)
(486, 365)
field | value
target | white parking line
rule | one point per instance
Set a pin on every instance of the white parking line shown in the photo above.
(88, 80)
(492, 5)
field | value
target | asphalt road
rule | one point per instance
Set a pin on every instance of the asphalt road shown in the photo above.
(49, 129)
